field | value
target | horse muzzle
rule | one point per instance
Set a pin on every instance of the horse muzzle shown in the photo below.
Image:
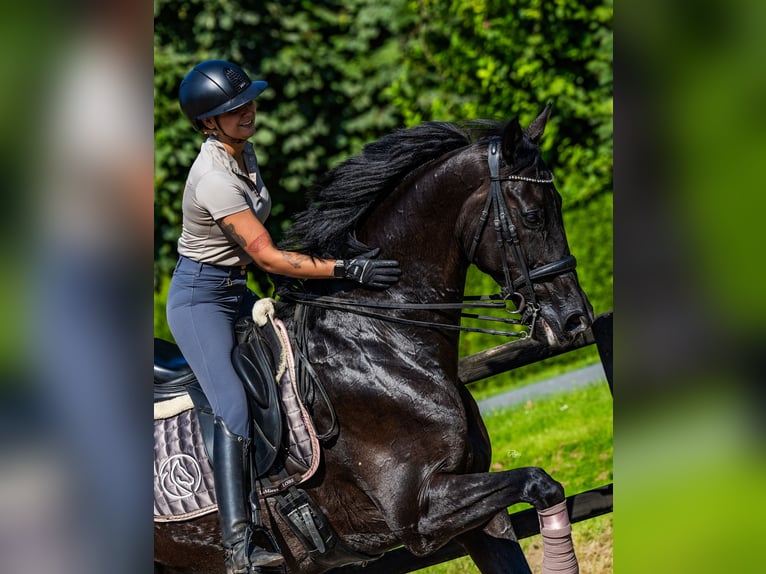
(563, 316)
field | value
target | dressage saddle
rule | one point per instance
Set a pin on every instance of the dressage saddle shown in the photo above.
(253, 360)
(257, 359)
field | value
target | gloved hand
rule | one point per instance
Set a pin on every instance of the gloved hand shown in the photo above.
(371, 272)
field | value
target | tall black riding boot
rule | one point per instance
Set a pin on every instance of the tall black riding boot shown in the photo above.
(231, 473)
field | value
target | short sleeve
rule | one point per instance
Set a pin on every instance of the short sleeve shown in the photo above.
(220, 195)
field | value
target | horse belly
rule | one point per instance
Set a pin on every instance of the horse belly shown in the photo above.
(192, 546)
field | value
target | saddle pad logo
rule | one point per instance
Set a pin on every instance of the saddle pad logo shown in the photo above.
(180, 476)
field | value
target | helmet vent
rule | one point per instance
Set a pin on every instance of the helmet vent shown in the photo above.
(238, 81)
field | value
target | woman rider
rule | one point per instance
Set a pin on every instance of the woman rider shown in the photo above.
(225, 204)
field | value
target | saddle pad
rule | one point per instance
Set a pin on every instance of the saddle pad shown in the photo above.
(183, 476)
(303, 443)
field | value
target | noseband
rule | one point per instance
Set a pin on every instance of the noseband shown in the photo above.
(507, 240)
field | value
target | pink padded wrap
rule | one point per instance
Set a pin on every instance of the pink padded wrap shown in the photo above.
(558, 550)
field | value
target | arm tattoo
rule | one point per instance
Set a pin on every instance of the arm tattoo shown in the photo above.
(229, 230)
(294, 259)
(263, 241)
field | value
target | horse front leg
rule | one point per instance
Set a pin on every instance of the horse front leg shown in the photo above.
(453, 504)
(494, 548)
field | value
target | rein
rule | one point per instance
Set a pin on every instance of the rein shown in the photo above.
(506, 237)
(358, 308)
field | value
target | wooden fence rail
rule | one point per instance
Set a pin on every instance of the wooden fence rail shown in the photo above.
(515, 354)
(494, 361)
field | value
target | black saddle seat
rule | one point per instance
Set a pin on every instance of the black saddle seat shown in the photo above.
(172, 374)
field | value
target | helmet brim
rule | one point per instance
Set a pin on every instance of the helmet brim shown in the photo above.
(249, 94)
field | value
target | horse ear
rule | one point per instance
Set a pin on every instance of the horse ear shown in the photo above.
(512, 139)
(537, 127)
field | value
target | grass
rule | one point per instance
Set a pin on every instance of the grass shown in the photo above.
(570, 436)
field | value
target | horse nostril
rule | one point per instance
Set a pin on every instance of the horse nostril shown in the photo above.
(575, 324)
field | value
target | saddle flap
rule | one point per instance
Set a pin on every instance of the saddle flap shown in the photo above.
(254, 364)
(284, 441)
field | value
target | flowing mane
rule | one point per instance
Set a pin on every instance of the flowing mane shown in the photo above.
(344, 196)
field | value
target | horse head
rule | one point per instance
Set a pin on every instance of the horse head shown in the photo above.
(519, 238)
(416, 191)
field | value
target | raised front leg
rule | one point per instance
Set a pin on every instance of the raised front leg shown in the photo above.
(454, 503)
(451, 505)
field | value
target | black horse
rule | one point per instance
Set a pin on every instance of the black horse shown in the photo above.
(409, 462)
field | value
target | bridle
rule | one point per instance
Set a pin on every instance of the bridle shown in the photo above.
(508, 237)
(507, 240)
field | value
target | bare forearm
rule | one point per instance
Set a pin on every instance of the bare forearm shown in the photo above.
(289, 263)
(298, 265)
(247, 232)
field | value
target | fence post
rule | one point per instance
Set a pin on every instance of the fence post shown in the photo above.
(602, 333)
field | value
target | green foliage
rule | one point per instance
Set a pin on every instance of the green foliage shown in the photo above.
(175, 146)
(589, 232)
(493, 59)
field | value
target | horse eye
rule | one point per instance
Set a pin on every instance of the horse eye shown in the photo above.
(534, 217)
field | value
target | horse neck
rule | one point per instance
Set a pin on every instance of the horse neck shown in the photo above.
(416, 225)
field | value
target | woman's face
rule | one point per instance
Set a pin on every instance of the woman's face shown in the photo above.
(239, 122)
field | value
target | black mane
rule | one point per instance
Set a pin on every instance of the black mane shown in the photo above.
(343, 196)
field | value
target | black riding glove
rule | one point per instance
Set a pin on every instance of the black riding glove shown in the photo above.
(371, 272)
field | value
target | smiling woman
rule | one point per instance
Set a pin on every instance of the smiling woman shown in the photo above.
(235, 126)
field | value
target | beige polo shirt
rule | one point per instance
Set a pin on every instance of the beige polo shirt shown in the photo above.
(217, 187)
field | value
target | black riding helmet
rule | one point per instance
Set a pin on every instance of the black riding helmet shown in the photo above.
(214, 87)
